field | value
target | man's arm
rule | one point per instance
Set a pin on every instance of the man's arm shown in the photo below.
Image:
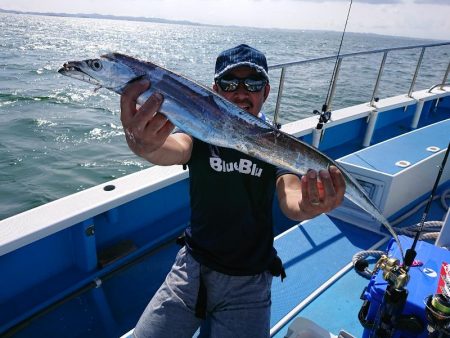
(148, 133)
(305, 198)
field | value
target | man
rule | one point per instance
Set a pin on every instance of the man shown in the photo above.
(224, 271)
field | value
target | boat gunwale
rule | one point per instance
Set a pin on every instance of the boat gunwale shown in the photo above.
(34, 224)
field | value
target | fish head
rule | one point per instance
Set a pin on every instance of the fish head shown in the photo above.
(106, 71)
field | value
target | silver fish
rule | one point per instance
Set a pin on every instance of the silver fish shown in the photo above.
(207, 116)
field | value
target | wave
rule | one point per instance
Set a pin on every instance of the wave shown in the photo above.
(71, 100)
(11, 97)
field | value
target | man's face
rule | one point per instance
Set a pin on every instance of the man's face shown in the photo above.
(249, 101)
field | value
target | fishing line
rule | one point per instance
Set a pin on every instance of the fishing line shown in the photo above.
(325, 106)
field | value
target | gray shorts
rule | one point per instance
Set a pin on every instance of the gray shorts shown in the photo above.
(237, 306)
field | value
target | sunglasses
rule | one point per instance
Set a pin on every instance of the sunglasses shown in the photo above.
(230, 84)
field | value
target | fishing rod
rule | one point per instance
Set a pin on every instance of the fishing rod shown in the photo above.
(390, 318)
(437, 306)
(325, 114)
(411, 252)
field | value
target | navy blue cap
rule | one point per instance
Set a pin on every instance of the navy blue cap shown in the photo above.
(242, 55)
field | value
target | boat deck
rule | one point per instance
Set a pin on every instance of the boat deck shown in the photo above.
(316, 254)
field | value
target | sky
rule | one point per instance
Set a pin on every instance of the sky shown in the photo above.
(412, 18)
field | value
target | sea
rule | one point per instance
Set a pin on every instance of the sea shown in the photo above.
(59, 136)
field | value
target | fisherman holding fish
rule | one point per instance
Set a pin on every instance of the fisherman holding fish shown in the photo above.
(224, 271)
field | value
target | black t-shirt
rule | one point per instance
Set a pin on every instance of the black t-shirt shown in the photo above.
(231, 210)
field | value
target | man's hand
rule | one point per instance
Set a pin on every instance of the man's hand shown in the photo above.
(321, 193)
(313, 194)
(146, 130)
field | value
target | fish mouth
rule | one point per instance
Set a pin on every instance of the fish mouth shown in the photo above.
(73, 69)
(69, 67)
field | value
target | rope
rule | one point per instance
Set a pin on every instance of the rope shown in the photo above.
(431, 228)
(360, 263)
(428, 231)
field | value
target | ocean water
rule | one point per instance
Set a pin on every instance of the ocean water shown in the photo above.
(59, 136)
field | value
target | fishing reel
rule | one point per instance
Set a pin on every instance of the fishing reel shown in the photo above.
(394, 273)
(324, 116)
(437, 310)
(390, 318)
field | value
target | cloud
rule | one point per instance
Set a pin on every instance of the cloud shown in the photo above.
(433, 2)
(413, 18)
(375, 2)
(384, 2)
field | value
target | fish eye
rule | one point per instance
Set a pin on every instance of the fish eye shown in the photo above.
(96, 65)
